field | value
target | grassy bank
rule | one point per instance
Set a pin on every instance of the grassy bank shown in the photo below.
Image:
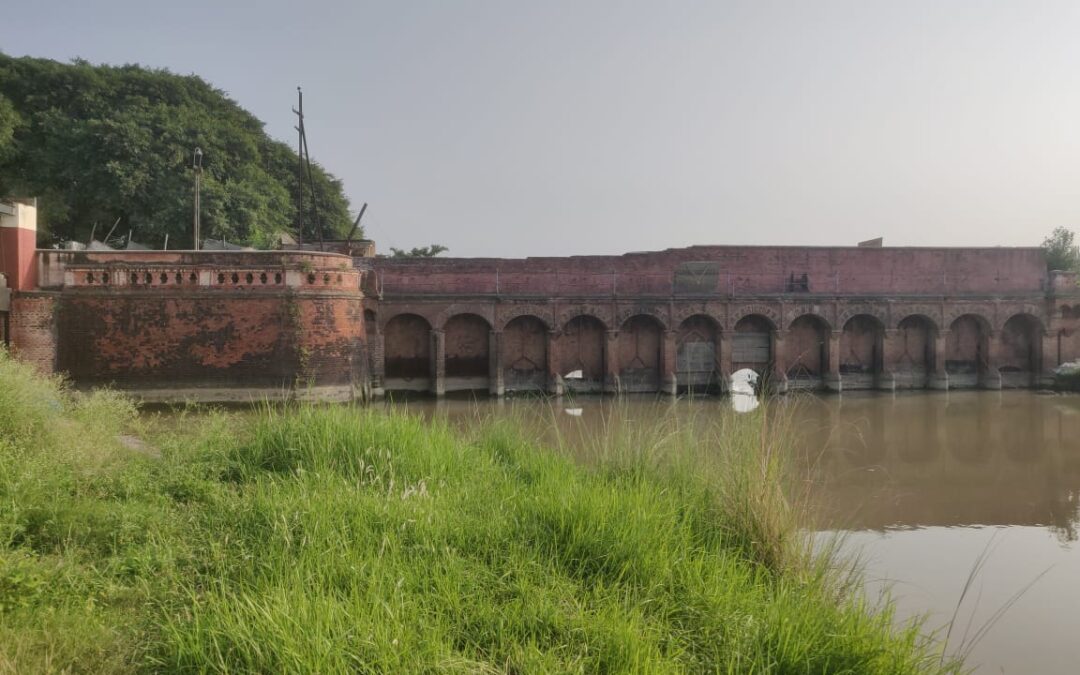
(340, 540)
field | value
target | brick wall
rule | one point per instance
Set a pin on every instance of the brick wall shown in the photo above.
(726, 270)
(187, 321)
(32, 330)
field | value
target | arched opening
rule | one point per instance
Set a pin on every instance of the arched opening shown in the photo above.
(914, 356)
(752, 345)
(695, 358)
(861, 344)
(468, 355)
(967, 351)
(807, 352)
(1020, 354)
(640, 344)
(524, 344)
(407, 353)
(581, 354)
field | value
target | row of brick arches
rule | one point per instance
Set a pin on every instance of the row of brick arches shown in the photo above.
(527, 354)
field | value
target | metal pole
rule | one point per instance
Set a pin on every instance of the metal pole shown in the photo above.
(300, 165)
(197, 163)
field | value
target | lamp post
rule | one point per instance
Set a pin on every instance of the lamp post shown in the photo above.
(197, 165)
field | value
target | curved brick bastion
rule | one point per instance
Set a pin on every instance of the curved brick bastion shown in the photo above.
(205, 325)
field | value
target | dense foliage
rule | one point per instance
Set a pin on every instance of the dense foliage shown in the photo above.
(101, 143)
(1062, 253)
(418, 251)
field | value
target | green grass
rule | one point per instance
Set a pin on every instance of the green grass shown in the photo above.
(334, 539)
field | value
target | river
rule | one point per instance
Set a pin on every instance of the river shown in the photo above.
(922, 486)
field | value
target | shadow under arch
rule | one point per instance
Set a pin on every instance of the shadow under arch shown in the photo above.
(467, 347)
(581, 354)
(697, 360)
(525, 354)
(407, 353)
(753, 345)
(641, 343)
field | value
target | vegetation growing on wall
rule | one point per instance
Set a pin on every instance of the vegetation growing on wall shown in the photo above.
(418, 251)
(100, 144)
(1062, 253)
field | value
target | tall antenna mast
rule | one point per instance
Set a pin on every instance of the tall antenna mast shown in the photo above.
(304, 161)
(300, 166)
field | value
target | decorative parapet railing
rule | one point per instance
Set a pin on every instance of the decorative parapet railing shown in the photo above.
(196, 270)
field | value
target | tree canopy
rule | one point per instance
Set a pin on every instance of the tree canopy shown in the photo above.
(100, 144)
(418, 251)
(1061, 251)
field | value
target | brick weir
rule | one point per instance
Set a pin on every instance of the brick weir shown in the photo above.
(687, 319)
(237, 325)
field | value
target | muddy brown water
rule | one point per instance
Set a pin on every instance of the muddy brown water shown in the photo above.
(921, 485)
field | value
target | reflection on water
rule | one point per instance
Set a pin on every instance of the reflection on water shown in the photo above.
(920, 482)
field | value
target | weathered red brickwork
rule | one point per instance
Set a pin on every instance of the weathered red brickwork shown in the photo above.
(678, 319)
(686, 318)
(32, 330)
(215, 325)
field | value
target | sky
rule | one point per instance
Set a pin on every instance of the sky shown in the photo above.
(514, 128)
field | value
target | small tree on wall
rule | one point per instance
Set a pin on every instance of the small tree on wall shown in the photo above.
(1061, 251)
(419, 251)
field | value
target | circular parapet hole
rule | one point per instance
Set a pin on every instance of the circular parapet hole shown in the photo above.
(262, 278)
(326, 278)
(149, 278)
(134, 278)
(89, 277)
(193, 278)
(311, 277)
(164, 278)
(179, 278)
(277, 278)
(250, 277)
(221, 277)
(105, 278)
(235, 278)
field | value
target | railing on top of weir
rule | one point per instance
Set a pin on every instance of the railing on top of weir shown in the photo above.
(612, 283)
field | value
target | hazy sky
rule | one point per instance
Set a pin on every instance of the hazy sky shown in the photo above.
(538, 128)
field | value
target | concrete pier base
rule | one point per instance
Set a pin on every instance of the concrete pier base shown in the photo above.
(938, 381)
(833, 382)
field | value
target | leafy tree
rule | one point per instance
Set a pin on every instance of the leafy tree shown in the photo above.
(418, 252)
(1061, 251)
(101, 143)
(9, 119)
